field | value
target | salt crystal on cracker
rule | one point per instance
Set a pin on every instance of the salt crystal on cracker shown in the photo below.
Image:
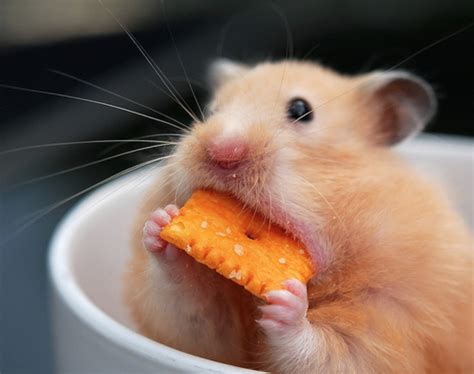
(238, 249)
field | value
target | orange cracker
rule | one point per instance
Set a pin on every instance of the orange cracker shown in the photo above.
(214, 228)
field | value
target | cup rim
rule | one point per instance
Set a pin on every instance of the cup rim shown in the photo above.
(89, 314)
(69, 291)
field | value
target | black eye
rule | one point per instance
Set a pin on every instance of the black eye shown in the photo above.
(299, 110)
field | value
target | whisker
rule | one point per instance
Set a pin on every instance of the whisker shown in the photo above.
(152, 64)
(289, 43)
(170, 134)
(18, 88)
(190, 80)
(57, 205)
(165, 92)
(329, 160)
(153, 168)
(170, 178)
(431, 45)
(279, 88)
(79, 167)
(263, 187)
(302, 116)
(223, 35)
(77, 79)
(289, 36)
(424, 49)
(61, 144)
(246, 206)
(325, 200)
(112, 147)
(181, 61)
(182, 179)
(167, 177)
(307, 54)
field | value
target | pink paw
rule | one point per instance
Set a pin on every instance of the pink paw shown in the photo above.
(151, 232)
(286, 309)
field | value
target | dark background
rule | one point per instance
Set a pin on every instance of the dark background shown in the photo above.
(351, 36)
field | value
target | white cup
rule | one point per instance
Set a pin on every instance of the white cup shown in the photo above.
(93, 332)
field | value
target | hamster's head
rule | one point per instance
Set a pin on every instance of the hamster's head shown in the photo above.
(278, 135)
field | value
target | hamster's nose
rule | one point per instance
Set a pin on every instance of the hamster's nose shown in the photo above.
(227, 153)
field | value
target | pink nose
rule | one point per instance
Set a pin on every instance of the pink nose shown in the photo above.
(227, 153)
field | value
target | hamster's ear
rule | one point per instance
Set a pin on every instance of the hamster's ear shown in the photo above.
(223, 70)
(407, 103)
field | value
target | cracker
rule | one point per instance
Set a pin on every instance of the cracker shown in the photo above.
(239, 244)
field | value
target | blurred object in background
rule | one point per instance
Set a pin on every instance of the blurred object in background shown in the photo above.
(27, 22)
(31, 21)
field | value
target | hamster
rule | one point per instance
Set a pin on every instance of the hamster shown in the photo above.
(310, 149)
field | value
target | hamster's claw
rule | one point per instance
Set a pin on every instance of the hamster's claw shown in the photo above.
(151, 232)
(286, 309)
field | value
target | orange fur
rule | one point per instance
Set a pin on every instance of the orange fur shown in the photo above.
(395, 292)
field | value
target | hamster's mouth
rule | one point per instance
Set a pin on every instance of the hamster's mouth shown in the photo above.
(300, 230)
(232, 180)
(278, 215)
(228, 168)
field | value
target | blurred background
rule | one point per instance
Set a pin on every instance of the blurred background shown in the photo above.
(45, 44)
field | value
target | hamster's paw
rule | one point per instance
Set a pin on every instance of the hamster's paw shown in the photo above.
(285, 309)
(151, 233)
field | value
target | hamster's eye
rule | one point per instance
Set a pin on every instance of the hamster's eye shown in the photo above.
(299, 110)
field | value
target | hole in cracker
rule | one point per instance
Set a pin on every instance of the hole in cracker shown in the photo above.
(250, 235)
